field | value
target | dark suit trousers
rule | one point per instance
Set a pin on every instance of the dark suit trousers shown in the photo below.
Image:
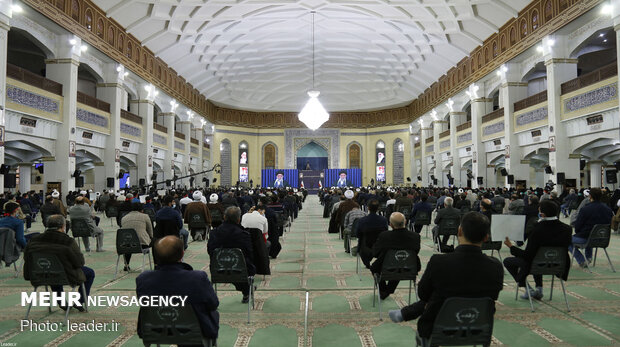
(519, 270)
(90, 278)
(387, 287)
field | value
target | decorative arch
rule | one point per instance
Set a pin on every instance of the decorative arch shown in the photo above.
(355, 155)
(225, 162)
(269, 158)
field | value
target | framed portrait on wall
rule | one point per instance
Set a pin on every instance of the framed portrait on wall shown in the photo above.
(117, 157)
(72, 148)
(150, 161)
(380, 173)
(243, 174)
(507, 152)
(551, 143)
(1, 135)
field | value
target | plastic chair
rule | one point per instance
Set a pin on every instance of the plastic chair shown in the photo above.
(171, 325)
(461, 322)
(492, 246)
(80, 228)
(11, 236)
(398, 265)
(111, 212)
(448, 226)
(198, 224)
(228, 266)
(364, 244)
(423, 218)
(350, 235)
(47, 270)
(128, 242)
(599, 238)
(548, 261)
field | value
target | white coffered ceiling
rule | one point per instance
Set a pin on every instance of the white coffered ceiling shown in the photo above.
(257, 54)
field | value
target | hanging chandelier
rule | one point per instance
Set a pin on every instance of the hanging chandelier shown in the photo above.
(313, 115)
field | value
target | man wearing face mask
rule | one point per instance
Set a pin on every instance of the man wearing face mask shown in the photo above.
(547, 232)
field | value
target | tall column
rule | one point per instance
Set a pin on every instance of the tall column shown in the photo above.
(414, 166)
(479, 108)
(25, 175)
(615, 15)
(456, 119)
(5, 15)
(510, 92)
(200, 136)
(144, 107)
(559, 70)
(438, 127)
(169, 158)
(596, 167)
(64, 70)
(185, 127)
(424, 133)
(111, 91)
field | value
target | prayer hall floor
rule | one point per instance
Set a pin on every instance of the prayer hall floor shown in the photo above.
(340, 309)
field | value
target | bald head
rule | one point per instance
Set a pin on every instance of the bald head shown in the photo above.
(485, 204)
(397, 220)
(169, 250)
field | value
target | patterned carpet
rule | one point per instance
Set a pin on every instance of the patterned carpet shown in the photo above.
(340, 309)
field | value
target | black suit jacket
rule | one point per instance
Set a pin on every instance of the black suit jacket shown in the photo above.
(229, 235)
(467, 272)
(552, 233)
(394, 239)
(181, 279)
(447, 213)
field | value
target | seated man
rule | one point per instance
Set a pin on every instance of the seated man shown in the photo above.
(368, 229)
(548, 232)
(350, 218)
(420, 206)
(467, 272)
(255, 219)
(12, 222)
(199, 208)
(56, 241)
(48, 209)
(230, 235)
(81, 211)
(596, 212)
(398, 238)
(173, 277)
(168, 213)
(447, 212)
(141, 223)
(216, 210)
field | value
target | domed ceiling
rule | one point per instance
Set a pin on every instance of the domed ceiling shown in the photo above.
(257, 55)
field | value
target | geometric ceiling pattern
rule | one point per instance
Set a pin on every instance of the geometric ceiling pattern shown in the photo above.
(257, 55)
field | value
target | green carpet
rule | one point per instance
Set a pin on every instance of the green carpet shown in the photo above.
(340, 311)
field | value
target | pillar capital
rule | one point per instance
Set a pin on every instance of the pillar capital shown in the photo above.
(455, 113)
(552, 61)
(167, 114)
(142, 101)
(513, 84)
(63, 61)
(482, 100)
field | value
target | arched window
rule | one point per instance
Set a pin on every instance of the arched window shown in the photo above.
(502, 43)
(548, 10)
(513, 36)
(60, 4)
(75, 10)
(121, 42)
(534, 20)
(380, 161)
(398, 166)
(269, 156)
(111, 36)
(129, 50)
(88, 19)
(100, 28)
(355, 156)
(523, 27)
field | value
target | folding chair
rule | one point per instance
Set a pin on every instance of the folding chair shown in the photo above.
(47, 270)
(197, 225)
(461, 322)
(398, 265)
(79, 229)
(492, 246)
(447, 226)
(548, 261)
(151, 213)
(128, 242)
(349, 236)
(599, 238)
(423, 218)
(111, 212)
(171, 325)
(364, 244)
(228, 266)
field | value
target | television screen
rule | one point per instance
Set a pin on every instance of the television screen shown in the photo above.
(243, 174)
(380, 173)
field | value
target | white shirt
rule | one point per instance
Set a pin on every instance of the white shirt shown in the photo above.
(390, 202)
(186, 200)
(255, 220)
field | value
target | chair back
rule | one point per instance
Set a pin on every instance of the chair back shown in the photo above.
(281, 218)
(354, 227)
(46, 269)
(127, 242)
(80, 228)
(465, 209)
(11, 236)
(574, 204)
(26, 209)
(228, 266)
(370, 237)
(519, 209)
(216, 216)
(111, 211)
(449, 225)
(423, 217)
(164, 228)
(171, 325)
(498, 207)
(123, 213)
(197, 221)
(491, 245)
(399, 264)
(599, 236)
(549, 261)
(405, 210)
(463, 321)
(150, 212)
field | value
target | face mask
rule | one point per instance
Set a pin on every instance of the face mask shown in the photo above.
(539, 215)
(173, 205)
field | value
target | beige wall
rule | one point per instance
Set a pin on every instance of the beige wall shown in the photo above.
(256, 138)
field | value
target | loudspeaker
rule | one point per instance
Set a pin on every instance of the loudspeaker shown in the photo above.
(582, 164)
(561, 178)
(419, 178)
(408, 179)
(9, 180)
(617, 165)
(548, 170)
(511, 179)
(504, 172)
(77, 173)
(154, 176)
(434, 181)
(79, 182)
(121, 174)
(214, 180)
(451, 181)
(470, 176)
(168, 183)
(142, 182)
(110, 182)
(480, 180)
(433, 178)
(38, 179)
(4, 169)
(40, 169)
(449, 176)
(611, 177)
(191, 181)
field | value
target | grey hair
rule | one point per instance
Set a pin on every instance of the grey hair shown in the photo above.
(55, 221)
(232, 214)
(448, 202)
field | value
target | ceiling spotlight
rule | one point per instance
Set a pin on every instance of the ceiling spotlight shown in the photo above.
(208, 140)
(498, 73)
(147, 88)
(607, 9)
(605, 40)
(83, 48)
(539, 49)
(550, 42)
(119, 68)
(73, 42)
(601, 35)
(126, 74)
(504, 68)
(417, 138)
(190, 114)
(17, 9)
